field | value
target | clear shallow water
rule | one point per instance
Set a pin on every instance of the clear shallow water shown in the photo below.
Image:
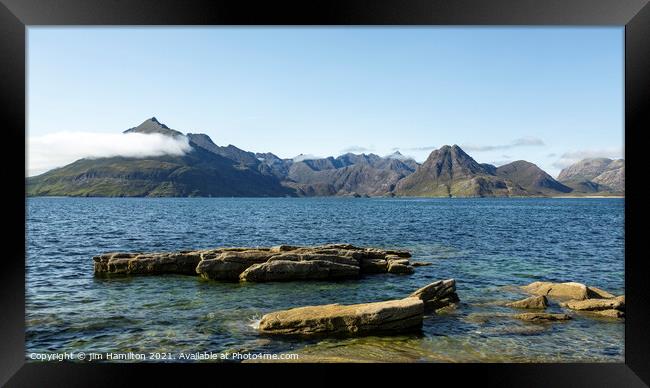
(487, 245)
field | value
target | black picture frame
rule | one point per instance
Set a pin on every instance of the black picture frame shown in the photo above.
(16, 15)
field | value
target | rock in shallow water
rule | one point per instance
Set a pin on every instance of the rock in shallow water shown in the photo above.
(393, 316)
(569, 290)
(390, 316)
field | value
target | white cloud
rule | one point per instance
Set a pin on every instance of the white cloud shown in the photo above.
(569, 158)
(355, 148)
(423, 148)
(521, 142)
(302, 157)
(49, 151)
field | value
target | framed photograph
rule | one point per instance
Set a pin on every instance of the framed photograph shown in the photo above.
(256, 190)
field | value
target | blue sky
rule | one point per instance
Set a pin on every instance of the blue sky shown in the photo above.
(548, 95)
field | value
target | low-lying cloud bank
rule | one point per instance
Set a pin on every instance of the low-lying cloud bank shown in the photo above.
(46, 152)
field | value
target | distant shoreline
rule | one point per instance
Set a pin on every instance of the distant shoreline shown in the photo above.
(588, 196)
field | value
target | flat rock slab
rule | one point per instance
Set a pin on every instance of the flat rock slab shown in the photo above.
(261, 264)
(392, 316)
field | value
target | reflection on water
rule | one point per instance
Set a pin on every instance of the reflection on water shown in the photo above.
(487, 245)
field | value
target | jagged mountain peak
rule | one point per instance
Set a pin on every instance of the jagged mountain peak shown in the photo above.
(451, 162)
(152, 125)
(398, 156)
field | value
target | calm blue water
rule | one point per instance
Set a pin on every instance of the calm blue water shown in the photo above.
(487, 245)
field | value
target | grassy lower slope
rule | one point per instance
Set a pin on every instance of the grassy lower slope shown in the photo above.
(199, 173)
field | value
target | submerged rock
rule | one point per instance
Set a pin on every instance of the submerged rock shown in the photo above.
(393, 316)
(279, 263)
(533, 302)
(520, 329)
(569, 290)
(541, 317)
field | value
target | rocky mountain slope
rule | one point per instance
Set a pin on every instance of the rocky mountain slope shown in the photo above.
(347, 174)
(595, 175)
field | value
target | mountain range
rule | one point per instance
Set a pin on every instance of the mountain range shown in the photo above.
(210, 170)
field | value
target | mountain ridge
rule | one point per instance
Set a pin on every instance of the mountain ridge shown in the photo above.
(212, 170)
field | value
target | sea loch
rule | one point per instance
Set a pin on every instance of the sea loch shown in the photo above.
(489, 246)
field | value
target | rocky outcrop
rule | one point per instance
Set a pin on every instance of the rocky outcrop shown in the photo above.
(533, 302)
(570, 290)
(437, 294)
(393, 316)
(582, 298)
(280, 263)
(541, 317)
